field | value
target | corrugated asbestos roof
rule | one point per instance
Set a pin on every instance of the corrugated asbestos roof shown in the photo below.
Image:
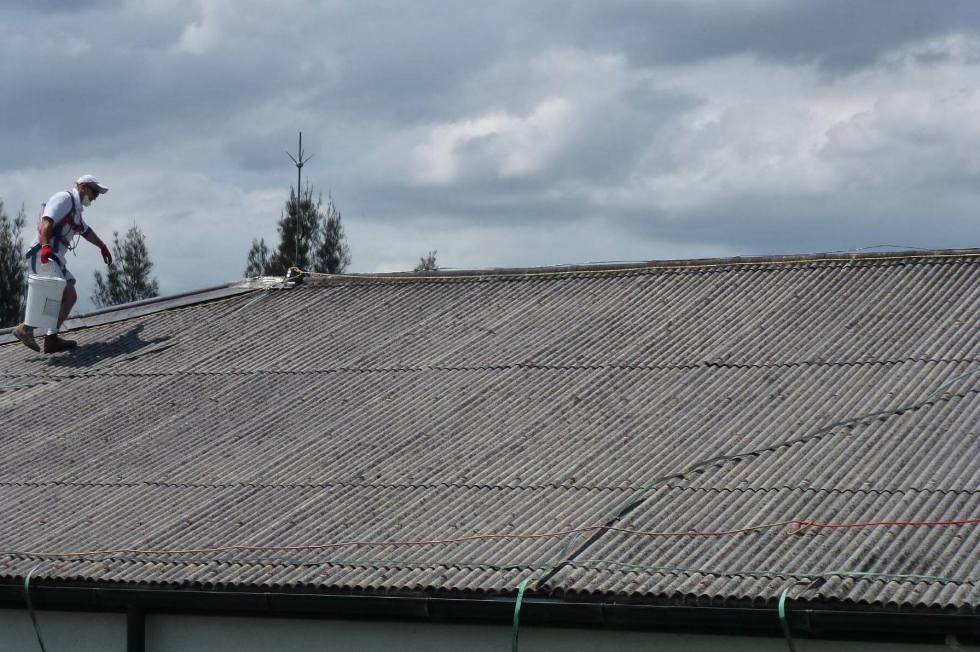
(691, 396)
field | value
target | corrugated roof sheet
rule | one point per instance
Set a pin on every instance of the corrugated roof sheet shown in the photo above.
(701, 394)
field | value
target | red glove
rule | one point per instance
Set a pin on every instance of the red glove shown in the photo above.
(46, 254)
(106, 256)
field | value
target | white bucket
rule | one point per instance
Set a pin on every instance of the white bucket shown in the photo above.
(44, 301)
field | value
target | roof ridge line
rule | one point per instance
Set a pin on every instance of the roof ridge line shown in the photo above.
(651, 265)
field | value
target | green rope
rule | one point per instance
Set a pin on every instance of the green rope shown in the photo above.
(517, 610)
(30, 606)
(949, 382)
(781, 610)
(782, 618)
(782, 596)
(253, 301)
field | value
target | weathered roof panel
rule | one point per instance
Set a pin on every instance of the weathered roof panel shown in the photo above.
(513, 416)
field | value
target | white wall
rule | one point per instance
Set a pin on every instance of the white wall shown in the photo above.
(78, 632)
(192, 634)
(107, 633)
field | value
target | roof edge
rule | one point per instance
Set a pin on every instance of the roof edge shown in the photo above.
(681, 263)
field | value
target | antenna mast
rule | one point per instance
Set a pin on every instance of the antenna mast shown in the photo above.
(299, 161)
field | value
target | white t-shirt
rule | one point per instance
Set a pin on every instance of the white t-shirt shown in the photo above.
(57, 208)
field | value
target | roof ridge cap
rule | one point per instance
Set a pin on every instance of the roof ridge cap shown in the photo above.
(639, 266)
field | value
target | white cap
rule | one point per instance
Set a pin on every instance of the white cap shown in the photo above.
(88, 179)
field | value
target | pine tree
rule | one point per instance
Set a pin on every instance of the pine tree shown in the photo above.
(301, 218)
(13, 268)
(128, 277)
(333, 254)
(321, 246)
(258, 259)
(109, 292)
(427, 263)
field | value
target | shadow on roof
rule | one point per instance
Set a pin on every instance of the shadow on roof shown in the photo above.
(122, 347)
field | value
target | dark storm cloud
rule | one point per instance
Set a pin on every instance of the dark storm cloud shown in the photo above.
(755, 126)
(839, 35)
(404, 64)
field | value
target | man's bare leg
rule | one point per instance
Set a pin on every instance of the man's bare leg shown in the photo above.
(68, 299)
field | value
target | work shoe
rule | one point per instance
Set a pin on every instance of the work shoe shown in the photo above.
(54, 344)
(25, 334)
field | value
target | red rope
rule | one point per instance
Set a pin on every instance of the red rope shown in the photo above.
(962, 521)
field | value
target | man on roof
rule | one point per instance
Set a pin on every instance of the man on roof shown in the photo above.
(61, 219)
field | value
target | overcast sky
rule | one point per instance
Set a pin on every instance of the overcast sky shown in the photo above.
(499, 133)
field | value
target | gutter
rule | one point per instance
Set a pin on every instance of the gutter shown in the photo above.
(866, 625)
